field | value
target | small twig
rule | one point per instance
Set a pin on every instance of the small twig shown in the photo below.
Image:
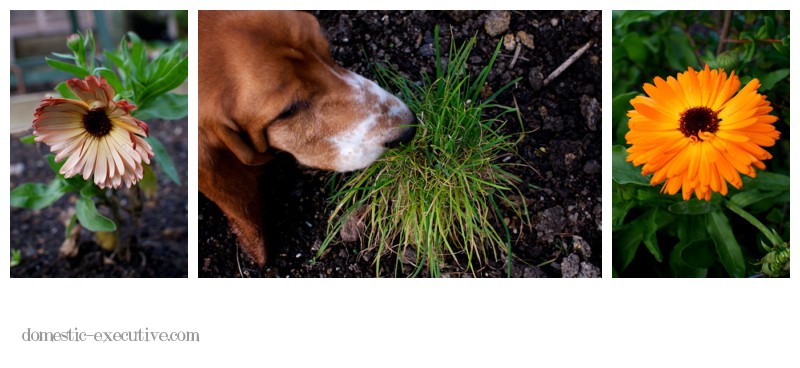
(765, 40)
(724, 33)
(516, 55)
(567, 63)
(503, 56)
(241, 274)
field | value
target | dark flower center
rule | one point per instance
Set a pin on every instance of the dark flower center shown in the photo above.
(96, 123)
(699, 119)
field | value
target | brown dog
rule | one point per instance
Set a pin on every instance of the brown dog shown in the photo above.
(267, 82)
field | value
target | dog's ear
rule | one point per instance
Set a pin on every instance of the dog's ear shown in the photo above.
(250, 149)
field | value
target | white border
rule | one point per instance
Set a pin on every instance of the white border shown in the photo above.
(480, 323)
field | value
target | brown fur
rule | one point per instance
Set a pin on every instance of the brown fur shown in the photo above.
(253, 67)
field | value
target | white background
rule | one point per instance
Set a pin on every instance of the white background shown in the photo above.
(400, 323)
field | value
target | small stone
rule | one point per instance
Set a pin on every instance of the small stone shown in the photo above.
(569, 158)
(427, 50)
(509, 42)
(354, 227)
(589, 270)
(570, 266)
(497, 22)
(551, 222)
(581, 247)
(461, 15)
(533, 272)
(16, 168)
(592, 167)
(598, 215)
(525, 39)
(591, 110)
(536, 78)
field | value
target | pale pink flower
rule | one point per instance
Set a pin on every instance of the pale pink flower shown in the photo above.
(96, 135)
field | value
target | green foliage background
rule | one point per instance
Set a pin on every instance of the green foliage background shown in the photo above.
(697, 238)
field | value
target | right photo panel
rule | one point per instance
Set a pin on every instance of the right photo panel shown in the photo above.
(701, 143)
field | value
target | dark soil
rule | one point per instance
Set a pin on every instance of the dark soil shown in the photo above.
(562, 145)
(159, 249)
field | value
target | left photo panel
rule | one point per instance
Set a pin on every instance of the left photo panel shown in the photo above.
(98, 144)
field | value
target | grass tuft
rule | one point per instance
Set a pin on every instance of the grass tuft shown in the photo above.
(437, 200)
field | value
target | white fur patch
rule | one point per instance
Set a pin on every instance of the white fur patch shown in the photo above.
(359, 147)
(364, 142)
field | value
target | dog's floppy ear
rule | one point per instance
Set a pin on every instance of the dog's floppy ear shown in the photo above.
(250, 149)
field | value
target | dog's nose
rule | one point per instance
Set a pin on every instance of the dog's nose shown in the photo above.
(405, 137)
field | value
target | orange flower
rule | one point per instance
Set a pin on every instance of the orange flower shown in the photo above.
(695, 134)
(96, 135)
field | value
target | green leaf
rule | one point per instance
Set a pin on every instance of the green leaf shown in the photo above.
(620, 106)
(69, 68)
(619, 206)
(168, 107)
(649, 237)
(626, 241)
(88, 216)
(163, 159)
(91, 190)
(768, 81)
(748, 197)
(624, 172)
(679, 266)
(28, 139)
(112, 78)
(749, 48)
(632, 16)
(728, 249)
(767, 30)
(699, 254)
(74, 183)
(117, 61)
(72, 221)
(148, 182)
(783, 46)
(624, 245)
(137, 53)
(65, 92)
(64, 56)
(36, 195)
(768, 181)
(690, 229)
(679, 51)
(693, 207)
(167, 82)
(775, 216)
(16, 257)
(635, 48)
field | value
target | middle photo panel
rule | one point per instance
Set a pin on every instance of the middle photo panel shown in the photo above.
(399, 143)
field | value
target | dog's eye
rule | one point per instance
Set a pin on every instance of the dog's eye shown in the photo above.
(291, 110)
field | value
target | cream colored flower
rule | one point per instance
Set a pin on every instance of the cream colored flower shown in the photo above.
(96, 135)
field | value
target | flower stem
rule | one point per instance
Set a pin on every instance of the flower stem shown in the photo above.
(136, 207)
(751, 219)
(123, 242)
